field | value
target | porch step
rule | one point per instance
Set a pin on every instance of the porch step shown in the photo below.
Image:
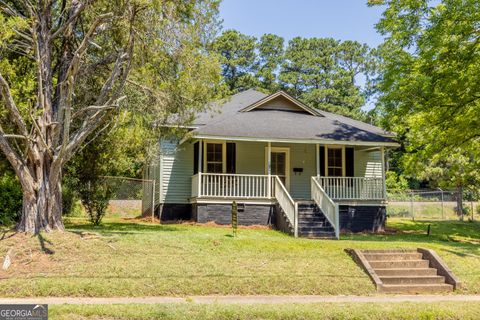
(385, 264)
(393, 256)
(402, 271)
(412, 279)
(406, 272)
(312, 223)
(309, 229)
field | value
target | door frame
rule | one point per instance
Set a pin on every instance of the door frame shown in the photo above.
(285, 150)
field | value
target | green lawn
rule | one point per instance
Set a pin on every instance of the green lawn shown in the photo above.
(357, 311)
(131, 258)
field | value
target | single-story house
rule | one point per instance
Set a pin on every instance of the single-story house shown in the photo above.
(305, 171)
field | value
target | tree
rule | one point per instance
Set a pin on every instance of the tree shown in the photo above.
(66, 67)
(270, 57)
(430, 89)
(238, 58)
(322, 72)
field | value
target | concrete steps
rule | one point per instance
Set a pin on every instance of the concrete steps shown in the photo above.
(406, 271)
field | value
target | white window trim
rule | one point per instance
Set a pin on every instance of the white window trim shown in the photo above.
(287, 162)
(343, 158)
(224, 154)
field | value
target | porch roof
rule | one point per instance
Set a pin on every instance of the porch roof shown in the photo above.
(272, 124)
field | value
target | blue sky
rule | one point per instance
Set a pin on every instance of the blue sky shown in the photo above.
(339, 19)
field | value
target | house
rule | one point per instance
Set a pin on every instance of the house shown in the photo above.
(305, 171)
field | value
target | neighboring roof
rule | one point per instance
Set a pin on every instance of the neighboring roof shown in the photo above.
(242, 116)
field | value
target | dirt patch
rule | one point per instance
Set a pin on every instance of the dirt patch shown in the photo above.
(45, 254)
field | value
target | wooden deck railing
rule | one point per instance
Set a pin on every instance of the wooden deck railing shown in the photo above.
(353, 188)
(325, 203)
(241, 186)
(287, 204)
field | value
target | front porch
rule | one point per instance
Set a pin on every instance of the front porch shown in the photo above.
(249, 187)
(285, 175)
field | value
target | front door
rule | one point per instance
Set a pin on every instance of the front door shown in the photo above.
(280, 163)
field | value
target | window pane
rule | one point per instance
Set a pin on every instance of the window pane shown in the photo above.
(335, 172)
(214, 158)
(335, 163)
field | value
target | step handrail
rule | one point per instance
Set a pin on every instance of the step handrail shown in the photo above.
(287, 204)
(327, 205)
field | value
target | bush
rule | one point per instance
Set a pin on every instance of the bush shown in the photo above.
(95, 196)
(10, 199)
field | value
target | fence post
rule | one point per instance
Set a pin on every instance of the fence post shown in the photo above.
(443, 213)
(411, 205)
(153, 200)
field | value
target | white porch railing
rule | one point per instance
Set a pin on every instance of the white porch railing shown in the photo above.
(241, 186)
(353, 188)
(326, 204)
(286, 202)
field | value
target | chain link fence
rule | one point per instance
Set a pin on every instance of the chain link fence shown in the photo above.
(429, 205)
(130, 197)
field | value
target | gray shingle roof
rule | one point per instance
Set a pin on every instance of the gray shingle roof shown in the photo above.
(278, 124)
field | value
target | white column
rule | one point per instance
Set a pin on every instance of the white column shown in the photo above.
(317, 147)
(382, 149)
(200, 162)
(269, 168)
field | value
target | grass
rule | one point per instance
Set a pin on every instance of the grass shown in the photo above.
(127, 257)
(358, 311)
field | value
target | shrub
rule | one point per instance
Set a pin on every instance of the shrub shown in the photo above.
(10, 199)
(95, 196)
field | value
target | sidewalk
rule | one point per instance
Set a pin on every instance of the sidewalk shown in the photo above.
(242, 299)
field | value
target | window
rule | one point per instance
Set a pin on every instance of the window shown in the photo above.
(335, 162)
(214, 157)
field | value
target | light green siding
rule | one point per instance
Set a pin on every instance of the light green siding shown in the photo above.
(251, 160)
(368, 163)
(177, 170)
(177, 166)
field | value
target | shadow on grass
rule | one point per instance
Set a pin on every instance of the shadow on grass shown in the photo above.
(123, 227)
(43, 247)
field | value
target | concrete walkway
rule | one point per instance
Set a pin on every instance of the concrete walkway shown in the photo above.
(243, 299)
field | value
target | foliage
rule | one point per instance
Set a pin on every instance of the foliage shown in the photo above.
(237, 56)
(10, 199)
(68, 69)
(395, 181)
(95, 195)
(270, 49)
(429, 87)
(321, 72)
(86, 176)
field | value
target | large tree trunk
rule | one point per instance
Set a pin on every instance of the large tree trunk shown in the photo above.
(42, 202)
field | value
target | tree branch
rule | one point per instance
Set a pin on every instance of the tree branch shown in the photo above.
(14, 112)
(15, 160)
(76, 9)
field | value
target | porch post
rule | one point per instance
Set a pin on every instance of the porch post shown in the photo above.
(317, 157)
(200, 163)
(383, 172)
(269, 169)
